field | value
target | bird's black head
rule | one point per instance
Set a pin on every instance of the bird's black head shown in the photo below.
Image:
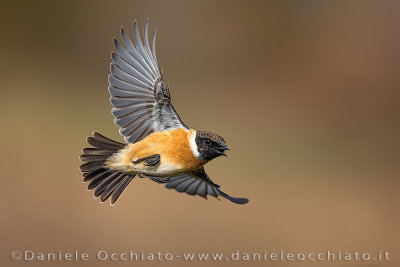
(210, 145)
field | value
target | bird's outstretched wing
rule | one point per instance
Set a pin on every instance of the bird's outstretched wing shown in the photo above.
(197, 182)
(142, 103)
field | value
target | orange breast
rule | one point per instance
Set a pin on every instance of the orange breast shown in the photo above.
(172, 146)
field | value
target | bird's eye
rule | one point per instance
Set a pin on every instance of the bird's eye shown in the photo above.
(208, 142)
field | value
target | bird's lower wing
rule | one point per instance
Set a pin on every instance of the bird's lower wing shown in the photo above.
(197, 182)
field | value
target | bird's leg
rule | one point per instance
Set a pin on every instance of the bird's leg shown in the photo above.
(160, 180)
(157, 179)
(149, 161)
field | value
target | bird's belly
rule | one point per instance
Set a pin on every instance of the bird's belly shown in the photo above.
(173, 148)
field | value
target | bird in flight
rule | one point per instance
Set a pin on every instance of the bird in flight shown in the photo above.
(160, 147)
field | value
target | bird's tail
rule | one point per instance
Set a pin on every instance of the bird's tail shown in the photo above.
(105, 182)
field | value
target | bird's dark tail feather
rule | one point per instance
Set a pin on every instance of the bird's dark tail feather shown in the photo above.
(105, 182)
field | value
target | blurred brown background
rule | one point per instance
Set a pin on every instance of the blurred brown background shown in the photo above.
(306, 93)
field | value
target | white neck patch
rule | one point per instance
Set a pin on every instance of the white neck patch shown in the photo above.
(192, 142)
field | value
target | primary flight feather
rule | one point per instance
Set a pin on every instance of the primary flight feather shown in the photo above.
(160, 147)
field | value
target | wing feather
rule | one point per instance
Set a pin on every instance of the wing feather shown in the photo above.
(140, 133)
(191, 190)
(153, 40)
(126, 77)
(125, 93)
(135, 53)
(147, 47)
(184, 185)
(133, 61)
(125, 66)
(176, 180)
(141, 101)
(127, 120)
(140, 47)
(134, 125)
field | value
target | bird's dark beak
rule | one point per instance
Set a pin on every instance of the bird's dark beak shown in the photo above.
(221, 150)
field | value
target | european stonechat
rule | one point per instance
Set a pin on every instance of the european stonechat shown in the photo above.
(159, 146)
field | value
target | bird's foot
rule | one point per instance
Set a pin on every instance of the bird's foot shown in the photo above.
(149, 161)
